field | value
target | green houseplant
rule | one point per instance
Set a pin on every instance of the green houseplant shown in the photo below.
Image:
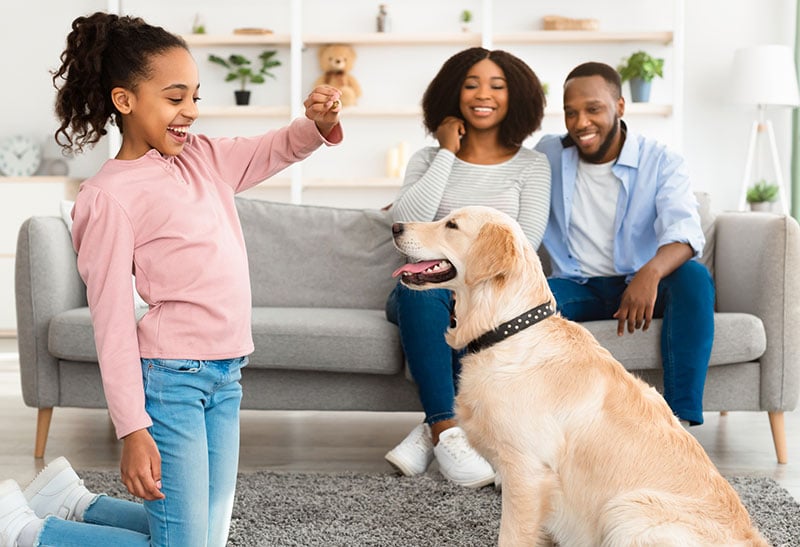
(466, 19)
(640, 69)
(240, 68)
(761, 195)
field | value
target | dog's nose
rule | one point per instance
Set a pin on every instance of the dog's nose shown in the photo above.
(397, 228)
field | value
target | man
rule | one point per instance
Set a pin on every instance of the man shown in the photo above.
(623, 231)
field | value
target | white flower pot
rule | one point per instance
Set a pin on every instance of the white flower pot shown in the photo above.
(764, 206)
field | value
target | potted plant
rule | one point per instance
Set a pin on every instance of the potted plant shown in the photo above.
(762, 195)
(640, 69)
(466, 19)
(240, 68)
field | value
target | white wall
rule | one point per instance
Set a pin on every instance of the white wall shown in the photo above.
(715, 139)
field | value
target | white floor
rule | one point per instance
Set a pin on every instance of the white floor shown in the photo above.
(739, 443)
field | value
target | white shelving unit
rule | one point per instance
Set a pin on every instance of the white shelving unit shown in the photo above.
(300, 39)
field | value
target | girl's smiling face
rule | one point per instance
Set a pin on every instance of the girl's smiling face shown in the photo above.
(484, 95)
(159, 111)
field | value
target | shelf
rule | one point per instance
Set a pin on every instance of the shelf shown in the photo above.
(475, 38)
(631, 109)
(581, 37)
(50, 179)
(371, 182)
(381, 112)
(204, 40)
(244, 111)
(352, 182)
(391, 39)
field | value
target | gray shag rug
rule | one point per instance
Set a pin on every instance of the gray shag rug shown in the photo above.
(354, 509)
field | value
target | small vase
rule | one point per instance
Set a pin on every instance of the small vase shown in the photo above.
(640, 90)
(242, 97)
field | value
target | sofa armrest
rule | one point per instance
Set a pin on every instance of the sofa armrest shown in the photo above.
(757, 263)
(46, 283)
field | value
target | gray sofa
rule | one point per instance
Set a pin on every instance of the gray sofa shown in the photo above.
(320, 277)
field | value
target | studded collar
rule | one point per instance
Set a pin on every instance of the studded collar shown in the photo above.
(509, 328)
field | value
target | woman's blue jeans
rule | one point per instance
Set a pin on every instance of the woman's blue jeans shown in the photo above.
(194, 406)
(685, 301)
(423, 317)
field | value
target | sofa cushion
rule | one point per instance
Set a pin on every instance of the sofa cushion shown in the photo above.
(738, 338)
(321, 339)
(321, 257)
(326, 339)
(358, 340)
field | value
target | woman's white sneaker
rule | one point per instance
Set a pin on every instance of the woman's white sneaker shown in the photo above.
(415, 453)
(459, 462)
(15, 515)
(57, 490)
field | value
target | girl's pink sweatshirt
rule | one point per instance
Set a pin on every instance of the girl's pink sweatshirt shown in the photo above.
(172, 222)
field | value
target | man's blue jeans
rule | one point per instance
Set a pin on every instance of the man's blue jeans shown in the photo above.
(194, 406)
(685, 302)
(423, 318)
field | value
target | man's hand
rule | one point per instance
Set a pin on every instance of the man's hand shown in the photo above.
(637, 303)
(141, 466)
(639, 299)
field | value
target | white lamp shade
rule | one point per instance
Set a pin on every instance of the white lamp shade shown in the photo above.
(765, 75)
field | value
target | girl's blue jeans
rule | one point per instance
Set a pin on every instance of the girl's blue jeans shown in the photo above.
(685, 301)
(194, 406)
(423, 317)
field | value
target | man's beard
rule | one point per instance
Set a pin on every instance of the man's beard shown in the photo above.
(598, 156)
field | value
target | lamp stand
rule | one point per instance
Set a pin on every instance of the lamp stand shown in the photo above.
(760, 126)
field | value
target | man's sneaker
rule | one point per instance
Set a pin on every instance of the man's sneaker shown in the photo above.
(459, 462)
(413, 455)
(57, 490)
(15, 514)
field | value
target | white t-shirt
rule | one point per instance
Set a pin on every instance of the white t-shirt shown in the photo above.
(591, 227)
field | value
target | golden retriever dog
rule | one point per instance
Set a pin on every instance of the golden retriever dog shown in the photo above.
(589, 454)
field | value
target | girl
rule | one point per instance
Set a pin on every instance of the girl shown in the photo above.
(481, 106)
(164, 209)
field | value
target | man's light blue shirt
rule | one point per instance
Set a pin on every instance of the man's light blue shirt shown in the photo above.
(656, 204)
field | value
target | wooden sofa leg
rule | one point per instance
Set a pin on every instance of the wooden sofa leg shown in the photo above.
(723, 412)
(42, 429)
(778, 435)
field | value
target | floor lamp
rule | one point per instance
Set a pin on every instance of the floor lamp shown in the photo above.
(764, 76)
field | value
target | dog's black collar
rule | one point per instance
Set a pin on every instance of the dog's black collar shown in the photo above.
(520, 322)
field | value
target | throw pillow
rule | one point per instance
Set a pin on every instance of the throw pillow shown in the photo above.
(66, 216)
(707, 220)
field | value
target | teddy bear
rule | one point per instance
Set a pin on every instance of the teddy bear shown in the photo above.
(336, 62)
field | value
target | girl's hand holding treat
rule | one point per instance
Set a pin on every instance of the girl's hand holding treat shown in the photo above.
(323, 106)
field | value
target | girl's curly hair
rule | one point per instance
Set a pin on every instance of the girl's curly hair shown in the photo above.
(103, 51)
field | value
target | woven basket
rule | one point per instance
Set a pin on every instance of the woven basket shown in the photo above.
(556, 22)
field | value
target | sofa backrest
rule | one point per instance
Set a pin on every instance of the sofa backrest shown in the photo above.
(314, 256)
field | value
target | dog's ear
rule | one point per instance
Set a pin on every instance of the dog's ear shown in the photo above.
(493, 254)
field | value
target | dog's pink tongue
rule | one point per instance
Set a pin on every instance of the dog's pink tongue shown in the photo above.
(416, 267)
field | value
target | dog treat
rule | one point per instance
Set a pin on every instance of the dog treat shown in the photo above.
(335, 104)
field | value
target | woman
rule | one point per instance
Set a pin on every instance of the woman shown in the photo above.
(481, 106)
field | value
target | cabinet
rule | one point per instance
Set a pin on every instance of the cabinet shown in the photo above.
(394, 68)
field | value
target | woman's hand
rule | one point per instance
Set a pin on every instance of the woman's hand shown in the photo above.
(141, 466)
(449, 133)
(323, 106)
